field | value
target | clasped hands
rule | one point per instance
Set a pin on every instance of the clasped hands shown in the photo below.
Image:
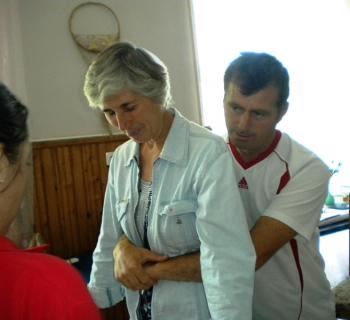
(134, 267)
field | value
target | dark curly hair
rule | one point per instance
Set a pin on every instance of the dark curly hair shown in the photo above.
(13, 123)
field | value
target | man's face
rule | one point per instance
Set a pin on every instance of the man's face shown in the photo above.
(251, 120)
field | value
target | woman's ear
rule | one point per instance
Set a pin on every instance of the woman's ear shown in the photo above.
(4, 164)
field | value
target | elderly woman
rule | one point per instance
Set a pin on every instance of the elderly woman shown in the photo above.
(33, 285)
(171, 193)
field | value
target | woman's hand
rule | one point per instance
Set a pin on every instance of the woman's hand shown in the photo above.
(131, 263)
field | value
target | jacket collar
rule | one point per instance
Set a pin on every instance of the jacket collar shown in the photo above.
(176, 145)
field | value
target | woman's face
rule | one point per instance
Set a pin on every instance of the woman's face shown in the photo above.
(8, 170)
(137, 116)
(13, 178)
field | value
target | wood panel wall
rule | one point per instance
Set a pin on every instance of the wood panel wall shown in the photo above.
(69, 182)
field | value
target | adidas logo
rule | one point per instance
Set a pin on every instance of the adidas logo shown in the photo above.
(242, 184)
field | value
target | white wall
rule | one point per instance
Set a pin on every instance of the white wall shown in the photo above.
(54, 67)
(11, 53)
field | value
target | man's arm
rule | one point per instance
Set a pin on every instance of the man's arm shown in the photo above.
(268, 236)
(183, 268)
(139, 268)
(295, 210)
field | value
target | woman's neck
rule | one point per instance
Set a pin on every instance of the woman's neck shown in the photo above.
(157, 143)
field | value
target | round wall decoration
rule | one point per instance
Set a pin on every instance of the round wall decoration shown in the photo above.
(91, 36)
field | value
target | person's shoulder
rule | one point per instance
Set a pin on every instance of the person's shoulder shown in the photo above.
(39, 270)
(300, 156)
(55, 276)
(203, 139)
(123, 152)
(200, 137)
(299, 149)
(50, 268)
(205, 134)
(45, 284)
(125, 146)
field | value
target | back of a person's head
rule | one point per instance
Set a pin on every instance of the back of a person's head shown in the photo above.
(13, 123)
(253, 71)
(123, 66)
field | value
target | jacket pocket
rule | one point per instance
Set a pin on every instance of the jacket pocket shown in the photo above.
(179, 207)
(177, 226)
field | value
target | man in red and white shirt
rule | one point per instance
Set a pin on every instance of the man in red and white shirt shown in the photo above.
(283, 186)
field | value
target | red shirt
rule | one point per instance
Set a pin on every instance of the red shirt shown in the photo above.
(36, 286)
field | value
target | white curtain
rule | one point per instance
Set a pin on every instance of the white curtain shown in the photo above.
(310, 37)
(13, 76)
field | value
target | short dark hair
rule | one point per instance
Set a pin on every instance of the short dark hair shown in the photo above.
(252, 72)
(13, 123)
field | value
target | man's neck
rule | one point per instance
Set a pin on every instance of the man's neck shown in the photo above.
(249, 155)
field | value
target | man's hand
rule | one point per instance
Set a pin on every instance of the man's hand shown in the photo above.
(130, 262)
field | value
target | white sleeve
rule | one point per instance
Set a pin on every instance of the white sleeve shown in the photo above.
(299, 204)
(104, 288)
(227, 253)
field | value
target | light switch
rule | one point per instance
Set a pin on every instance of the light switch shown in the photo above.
(108, 157)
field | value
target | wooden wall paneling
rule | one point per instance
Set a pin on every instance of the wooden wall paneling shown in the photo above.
(66, 195)
(70, 178)
(93, 190)
(103, 148)
(41, 222)
(80, 197)
(98, 192)
(52, 202)
(58, 181)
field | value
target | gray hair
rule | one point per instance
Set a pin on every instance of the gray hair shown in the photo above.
(124, 66)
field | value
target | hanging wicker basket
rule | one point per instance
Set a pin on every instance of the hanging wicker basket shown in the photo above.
(94, 42)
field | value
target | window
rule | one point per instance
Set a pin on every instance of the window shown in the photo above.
(311, 38)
